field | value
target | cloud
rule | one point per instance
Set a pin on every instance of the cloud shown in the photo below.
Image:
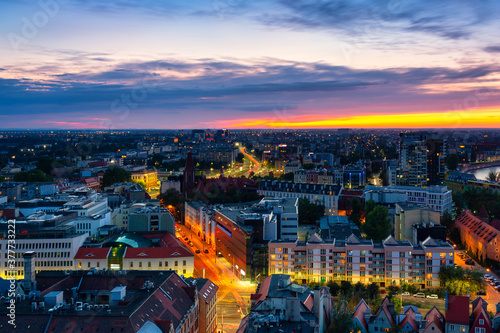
(492, 48)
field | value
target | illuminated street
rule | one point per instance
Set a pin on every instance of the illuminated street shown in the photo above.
(233, 295)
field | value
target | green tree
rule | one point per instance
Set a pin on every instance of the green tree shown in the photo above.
(355, 211)
(334, 287)
(309, 212)
(141, 182)
(346, 289)
(459, 281)
(173, 201)
(287, 176)
(308, 166)
(46, 164)
(342, 320)
(447, 219)
(115, 175)
(373, 291)
(32, 176)
(452, 162)
(369, 206)
(377, 225)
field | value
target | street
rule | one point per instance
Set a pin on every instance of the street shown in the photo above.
(233, 296)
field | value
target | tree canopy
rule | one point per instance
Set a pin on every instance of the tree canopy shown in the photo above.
(309, 212)
(115, 175)
(459, 281)
(378, 224)
(452, 162)
(32, 176)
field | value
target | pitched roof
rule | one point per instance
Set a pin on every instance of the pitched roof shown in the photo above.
(385, 308)
(92, 253)
(360, 311)
(458, 310)
(476, 228)
(435, 316)
(483, 214)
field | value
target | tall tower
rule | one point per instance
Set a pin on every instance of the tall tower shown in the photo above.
(436, 159)
(412, 160)
(188, 179)
(29, 270)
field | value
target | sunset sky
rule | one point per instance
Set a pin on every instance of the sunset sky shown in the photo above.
(68, 64)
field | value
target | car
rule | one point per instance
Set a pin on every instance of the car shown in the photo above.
(382, 291)
(191, 244)
(198, 251)
(405, 294)
(496, 287)
(421, 295)
(433, 296)
(206, 251)
(186, 239)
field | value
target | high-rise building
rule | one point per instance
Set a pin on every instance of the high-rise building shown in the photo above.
(436, 159)
(412, 160)
(188, 180)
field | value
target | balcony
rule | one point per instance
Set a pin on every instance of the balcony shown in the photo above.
(379, 265)
(339, 257)
(417, 274)
(418, 281)
(378, 279)
(339, 270)
(418, 260)
(419, 266)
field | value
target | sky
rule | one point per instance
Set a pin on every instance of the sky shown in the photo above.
(74, 64)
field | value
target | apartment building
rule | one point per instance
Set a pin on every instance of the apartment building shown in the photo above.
(391, 262)
(327, 195)
(436, 197)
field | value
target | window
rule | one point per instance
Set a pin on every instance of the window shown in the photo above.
(481, 321)
(462, 328)
(140, 263)
(131, 264)
(88, 264)
(159, 264)
(480, 330)
(149, 263)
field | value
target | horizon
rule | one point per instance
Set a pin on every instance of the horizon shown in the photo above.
(265, 64)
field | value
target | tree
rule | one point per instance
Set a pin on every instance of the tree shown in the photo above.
(342, 320)
(309, 212)
(141, 182)
(308, 166)
(115, 175)
(447, 219)
(355, 211)
(377, 225)
(459, 281)
(173, 201)
(369, 206)
(493, 176)
(373, 291)
(334, 288)
(346, 289)
(32, 176)
(46, 164)
(287, 176)
(452, 162)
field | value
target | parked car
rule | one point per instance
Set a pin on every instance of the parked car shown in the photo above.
(405, 294)
(191, 244)
(421, 295)
(198, 251)
(433, 296)
(186, 239)
(206, 251)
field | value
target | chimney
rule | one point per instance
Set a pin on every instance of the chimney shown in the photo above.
(293, 309)
(367, 315)
(318, 308)
(29, 270)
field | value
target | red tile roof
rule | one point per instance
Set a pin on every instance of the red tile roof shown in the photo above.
(435, 316)
(92, 253)
(458, 310)
(478, 229)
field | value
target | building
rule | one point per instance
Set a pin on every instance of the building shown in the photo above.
(327, 195)
(153, 251)
(480, 321)
(225, 155)
(456, 181)
(457, 314)
(207, 298)
(282, 306)
(11, 190)
(438, 198)
(149, 175)
(122, 301)
(412, 160)
(92, 213)
(120, 215)
(313, 177)
(337, 227)
(409, 214)
(241, 235)
(436, 158)
(479, 237)
(53, 237)
(385, 318)
(355, 260)
(151, 218)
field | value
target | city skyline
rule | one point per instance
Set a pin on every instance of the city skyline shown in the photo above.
(260, 64)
